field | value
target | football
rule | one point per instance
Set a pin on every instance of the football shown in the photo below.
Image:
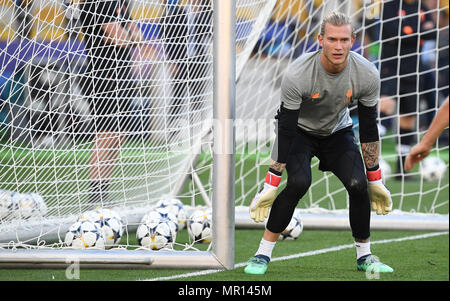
(293, 230)
(163, 215)
(175, 206)
(199, 226)
(84, 234)
(109, 222)
(27, 205)
(39, 200)
(433, 168)
(157, 230)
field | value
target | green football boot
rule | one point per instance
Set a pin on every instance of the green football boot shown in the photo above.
(257, 265)
(372, 264)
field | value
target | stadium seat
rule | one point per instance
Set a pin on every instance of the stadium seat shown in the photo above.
(6, 20)
(50, 24)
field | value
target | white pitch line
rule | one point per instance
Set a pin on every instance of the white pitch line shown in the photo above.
(304, 254)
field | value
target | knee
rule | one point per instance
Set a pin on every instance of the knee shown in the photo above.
(357, 185)
(298, 183)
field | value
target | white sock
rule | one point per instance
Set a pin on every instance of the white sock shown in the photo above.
(362, 249)
(265, 248)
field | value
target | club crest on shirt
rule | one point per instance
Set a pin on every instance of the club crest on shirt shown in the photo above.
(349, 96)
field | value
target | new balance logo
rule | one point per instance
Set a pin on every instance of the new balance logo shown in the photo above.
(349, 96)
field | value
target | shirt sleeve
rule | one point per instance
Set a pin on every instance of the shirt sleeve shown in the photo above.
(290, 97)
(371, 92)
(287, 118)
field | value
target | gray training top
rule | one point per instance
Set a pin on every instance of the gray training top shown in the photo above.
(322, 97)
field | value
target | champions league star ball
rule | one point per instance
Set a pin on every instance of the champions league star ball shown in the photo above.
(163, 214)
(109, 222)
(199, 226)
(42, 207)
(157, 230)
(175, 206)
(84, 234)
(27, 205)
(154, 236)
(433, 168)
(293, 230)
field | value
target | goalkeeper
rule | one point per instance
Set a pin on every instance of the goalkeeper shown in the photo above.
(314, 120)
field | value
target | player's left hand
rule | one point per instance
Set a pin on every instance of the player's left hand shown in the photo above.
(380, 197)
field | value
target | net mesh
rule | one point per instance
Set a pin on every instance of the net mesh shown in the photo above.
(382, 39)
(86, 124)
(106, 104)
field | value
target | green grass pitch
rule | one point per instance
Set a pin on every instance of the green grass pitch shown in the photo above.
(419, 259)
(317, 255)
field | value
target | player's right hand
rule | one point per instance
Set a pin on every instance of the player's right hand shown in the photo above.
(263, 200)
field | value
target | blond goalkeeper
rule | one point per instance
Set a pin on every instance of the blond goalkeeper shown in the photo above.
(314, 120)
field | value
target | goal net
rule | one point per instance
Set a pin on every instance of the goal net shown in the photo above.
(67, 136)
(109, 105)
(408, 42)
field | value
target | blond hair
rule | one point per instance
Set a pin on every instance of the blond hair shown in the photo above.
(336, 19)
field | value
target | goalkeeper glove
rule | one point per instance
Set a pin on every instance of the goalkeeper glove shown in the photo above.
(380, 196)
(263, 200)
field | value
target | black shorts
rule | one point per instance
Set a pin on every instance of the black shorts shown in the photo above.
(110, 104)
(404, 89)
(337, 153)
(327, 149)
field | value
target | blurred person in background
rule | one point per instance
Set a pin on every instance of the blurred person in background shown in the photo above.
(400, 67)
(200, 51)
(432, 53)
(443, 52)
(109, 35)
(185, 33)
